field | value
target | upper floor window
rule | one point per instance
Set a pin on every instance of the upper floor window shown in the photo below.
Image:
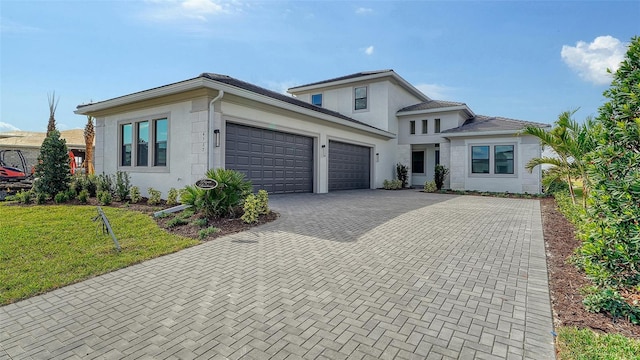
(425, 123)
(144, 142)
(316, 99)
(412, 127)
(436, 125)
(360, 96)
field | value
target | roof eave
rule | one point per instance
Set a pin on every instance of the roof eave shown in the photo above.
(437, 110)
(482, 133)
(391, 73)
(200, 82)
(170, 89)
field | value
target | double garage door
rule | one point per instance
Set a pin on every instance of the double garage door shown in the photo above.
(281, 162)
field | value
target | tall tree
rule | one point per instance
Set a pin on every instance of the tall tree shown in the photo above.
(570, 141)
(89, 135)
(611, 246)
(53, 105)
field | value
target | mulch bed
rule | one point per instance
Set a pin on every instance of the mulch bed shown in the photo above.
(226, 226)
(565, 280)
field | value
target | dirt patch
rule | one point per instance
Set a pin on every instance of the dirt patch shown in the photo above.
(225, 226)
(565, 280)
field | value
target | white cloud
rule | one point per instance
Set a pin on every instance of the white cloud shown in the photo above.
(363, 10)
(280, 86)
(435, 91)
(369, 50)
(7, 127)
(591, 60)
(171, 10)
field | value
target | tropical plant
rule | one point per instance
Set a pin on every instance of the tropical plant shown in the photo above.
(104, 182)
(439, 174)
(263, 201)
(571, 141)
(251, 211)
(53, 170)
(225, 200)
(402, 172)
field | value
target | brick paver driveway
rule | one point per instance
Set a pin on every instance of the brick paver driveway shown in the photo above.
(357, 274)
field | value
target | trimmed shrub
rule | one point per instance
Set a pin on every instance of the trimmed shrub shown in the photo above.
(104, 183)
(263, 202)
(172, 197)
(134, 195)
(23, 196)
(440, 173)
(123, 185)
(430, 186)
(392, 184)
(83, 197)
(61, 197)
(251, 209)
(402, 172)
(53, 170)
(155, 196)
(104, 197)
(41, 198)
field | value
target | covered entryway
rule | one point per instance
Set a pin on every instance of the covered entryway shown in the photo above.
(275, 161)
(349, 166)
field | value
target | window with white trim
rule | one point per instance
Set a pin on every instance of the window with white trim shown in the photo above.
(144, 143)
(316, 99)
(425, 129)
(360, 98)
(436, 126)
(412, 127)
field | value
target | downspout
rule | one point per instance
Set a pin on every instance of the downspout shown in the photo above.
(211, 136)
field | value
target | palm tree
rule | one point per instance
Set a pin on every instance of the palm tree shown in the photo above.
(571, 141)
(89, 135)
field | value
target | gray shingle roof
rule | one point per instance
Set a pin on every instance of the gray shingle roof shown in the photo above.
(481, 123)
(346, 77)
(228, 80)
(431, 104)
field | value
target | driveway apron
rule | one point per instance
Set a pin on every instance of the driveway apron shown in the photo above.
(346, 275)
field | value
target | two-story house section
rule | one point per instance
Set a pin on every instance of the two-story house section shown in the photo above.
(343, 133)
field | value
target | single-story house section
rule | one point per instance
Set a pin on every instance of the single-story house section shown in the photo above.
(29, 143)
(344, 133)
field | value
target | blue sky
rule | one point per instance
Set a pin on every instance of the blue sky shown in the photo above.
(525, 60)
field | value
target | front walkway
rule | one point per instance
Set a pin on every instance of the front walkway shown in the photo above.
(356, 274)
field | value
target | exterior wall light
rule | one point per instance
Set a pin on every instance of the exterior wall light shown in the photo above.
(324, 150)
(377, 157)
(217, 132)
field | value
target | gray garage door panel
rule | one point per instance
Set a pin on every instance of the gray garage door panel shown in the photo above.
(274, 161)
(349, 166)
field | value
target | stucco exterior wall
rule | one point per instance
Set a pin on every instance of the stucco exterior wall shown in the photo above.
(191, 143)
(187, 147)
(526, 148)
(448, 120)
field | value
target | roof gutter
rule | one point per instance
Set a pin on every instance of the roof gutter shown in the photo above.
(480, 133)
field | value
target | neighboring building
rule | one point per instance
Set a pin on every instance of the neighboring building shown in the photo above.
(344, 133)
(29, 143)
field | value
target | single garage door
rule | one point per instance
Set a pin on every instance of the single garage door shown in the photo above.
(349, 166)
(274, 161)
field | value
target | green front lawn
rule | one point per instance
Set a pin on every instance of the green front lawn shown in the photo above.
(46, 247)
(584, 344)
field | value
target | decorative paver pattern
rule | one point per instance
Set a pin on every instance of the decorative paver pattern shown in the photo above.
(346, 275)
